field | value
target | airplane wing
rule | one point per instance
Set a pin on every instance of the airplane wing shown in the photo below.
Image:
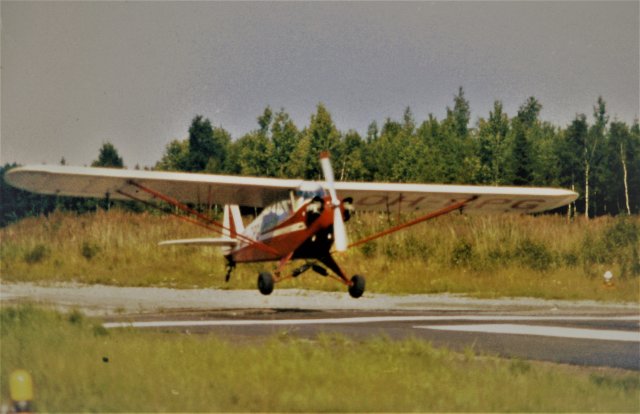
(392, 197)
(260, 192)
(185, 187)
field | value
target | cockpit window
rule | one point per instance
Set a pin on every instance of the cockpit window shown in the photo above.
(307, 191)
(274, 215)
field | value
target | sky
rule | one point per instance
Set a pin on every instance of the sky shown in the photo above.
(77, 74)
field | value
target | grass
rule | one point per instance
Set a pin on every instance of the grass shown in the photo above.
(78, 366)
(484, 256)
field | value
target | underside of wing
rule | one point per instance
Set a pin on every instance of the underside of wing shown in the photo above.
(121, 184)
(390, 197)
(206, 241)
(260, 192)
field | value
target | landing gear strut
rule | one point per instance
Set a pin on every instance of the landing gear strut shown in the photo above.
(356, 286)
(230, 266)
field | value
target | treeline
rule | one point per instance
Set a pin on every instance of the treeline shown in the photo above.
(597, 157)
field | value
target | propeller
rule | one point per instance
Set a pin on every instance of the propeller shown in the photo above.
(339, 231)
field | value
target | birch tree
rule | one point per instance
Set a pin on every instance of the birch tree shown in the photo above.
(589, 150)
(619, 145)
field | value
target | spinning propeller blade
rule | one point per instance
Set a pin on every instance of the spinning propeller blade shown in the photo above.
(339, 231)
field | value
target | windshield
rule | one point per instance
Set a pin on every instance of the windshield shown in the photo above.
(309, 190)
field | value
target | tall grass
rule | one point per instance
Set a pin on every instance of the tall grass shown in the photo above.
(488, 256)
(78, 366)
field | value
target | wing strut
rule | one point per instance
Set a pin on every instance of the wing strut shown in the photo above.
(204, 218)
(429, 216)
(173, 213)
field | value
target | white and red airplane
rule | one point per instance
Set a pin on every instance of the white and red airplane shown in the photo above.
(299, 220)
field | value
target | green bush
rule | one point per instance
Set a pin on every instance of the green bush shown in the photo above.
(37, 254)
(618, 244)
(369, 249)
(462, 253)
(415, 247)
(622, 239)
(89, 250)
(498, 256)
(534, 255)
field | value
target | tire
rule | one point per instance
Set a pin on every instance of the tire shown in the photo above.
(265, 283)
(357, 288)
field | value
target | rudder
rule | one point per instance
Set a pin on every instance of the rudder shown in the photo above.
(232, 221)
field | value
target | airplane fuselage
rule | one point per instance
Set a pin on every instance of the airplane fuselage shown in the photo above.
(302, 232)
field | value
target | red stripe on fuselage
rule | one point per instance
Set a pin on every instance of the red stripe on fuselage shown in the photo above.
(288, 242)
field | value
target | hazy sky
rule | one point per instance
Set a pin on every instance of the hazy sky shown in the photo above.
(75, 75)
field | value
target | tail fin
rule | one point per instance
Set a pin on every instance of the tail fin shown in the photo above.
(232, 221)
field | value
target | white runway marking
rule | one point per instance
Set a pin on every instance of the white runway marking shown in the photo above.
(558, 332)
(374, 319)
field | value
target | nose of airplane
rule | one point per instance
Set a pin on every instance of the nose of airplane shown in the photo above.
(339, 230)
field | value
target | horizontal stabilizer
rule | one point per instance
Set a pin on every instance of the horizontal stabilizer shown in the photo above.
(206, 241)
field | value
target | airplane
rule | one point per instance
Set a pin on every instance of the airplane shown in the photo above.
(300, 220)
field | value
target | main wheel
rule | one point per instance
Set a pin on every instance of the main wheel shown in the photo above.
(265, 283)
(357, 286)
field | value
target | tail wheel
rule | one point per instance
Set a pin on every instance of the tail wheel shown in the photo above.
(357, 286)
(265, 283)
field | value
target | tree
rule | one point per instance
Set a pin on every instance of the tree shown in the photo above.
(352, 164)
(108, 157)
(529, 111)
(620, 154)
(201, 145)
(175, 157)
(384, 151)
(590, 149)
(521, 156)
(526, 129)
(285, 136)
(409, 123)
(429, 132)
(451, 142)
(461, 113)
(264, 120)
(492, 136)
(543, 138)
(372, 132)
(321, 135)
(411, 161)
(569, 153)
(207, 146)
(410, 151)
(299, 166)
(255, 155)
(633, 152)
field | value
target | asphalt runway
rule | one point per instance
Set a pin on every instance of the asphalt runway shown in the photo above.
(585, 333)
(608, 340)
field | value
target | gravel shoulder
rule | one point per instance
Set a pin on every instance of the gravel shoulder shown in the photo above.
(102, 300)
